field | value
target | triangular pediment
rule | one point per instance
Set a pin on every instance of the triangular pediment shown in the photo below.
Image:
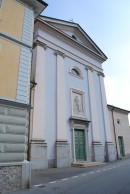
(75, 32)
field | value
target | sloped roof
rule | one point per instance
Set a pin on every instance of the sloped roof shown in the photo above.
(75, 32)
(111, 107)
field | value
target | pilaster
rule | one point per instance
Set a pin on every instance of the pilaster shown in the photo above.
(110, 149)
(96, 144)
(38, 154)
(94, 111)
(61, 101)
(62, 146)
(62, 154)
(38, 105)
(38, 145)
(105, 109)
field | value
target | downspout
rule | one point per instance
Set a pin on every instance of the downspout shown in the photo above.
(114, 132)
(28, 151)
(32, 85)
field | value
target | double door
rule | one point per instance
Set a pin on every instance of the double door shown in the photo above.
(79, 144)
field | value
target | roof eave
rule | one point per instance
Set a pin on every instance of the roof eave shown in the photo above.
(117, 108)
(37, 5)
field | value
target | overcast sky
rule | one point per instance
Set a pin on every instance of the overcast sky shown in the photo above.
(107, 22)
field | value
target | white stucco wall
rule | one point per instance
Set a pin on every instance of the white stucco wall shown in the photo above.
(121, 129)
(74, 57)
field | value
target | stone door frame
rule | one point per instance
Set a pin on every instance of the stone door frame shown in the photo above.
(81, 124)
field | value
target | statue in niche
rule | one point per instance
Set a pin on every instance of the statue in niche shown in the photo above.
(77, 104)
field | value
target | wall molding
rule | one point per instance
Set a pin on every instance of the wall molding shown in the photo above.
(14, 40)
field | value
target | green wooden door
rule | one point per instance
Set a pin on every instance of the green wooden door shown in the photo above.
(121, 146)
(79, 144)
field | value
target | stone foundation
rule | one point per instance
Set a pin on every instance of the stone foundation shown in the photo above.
(38, 155)
(62, 154)
(111, 154)
(13, 134)
(51, 163)
(15, 172)
(98, 153)
(14, 176)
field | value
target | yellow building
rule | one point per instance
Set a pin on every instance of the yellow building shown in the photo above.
(16, 39)
(16, 36)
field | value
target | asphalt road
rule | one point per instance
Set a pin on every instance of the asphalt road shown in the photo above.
(113, 178)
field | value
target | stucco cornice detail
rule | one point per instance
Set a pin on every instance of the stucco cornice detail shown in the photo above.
(100, 74)
(39, 43)
(68, 54)
(60, 53)
(89, 68)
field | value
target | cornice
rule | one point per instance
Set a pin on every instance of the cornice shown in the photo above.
(68, 54)
(75, 25)
(114, 108)
(48, 28)
(60, 53)
(100, 74)
(10, 103)
(39, 43)
(89, 68)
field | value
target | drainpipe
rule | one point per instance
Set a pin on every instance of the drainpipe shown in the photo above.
(28, 151)
(114, 132)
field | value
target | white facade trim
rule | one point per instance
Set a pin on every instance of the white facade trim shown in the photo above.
(80, 76)
(61, 101)
(105, 110)
(38, 120)
(93, 107)
(69, 54)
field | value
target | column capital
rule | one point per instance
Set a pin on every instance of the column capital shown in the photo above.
(39, 43)
(59, 53)
(89, 68)
(100, 74)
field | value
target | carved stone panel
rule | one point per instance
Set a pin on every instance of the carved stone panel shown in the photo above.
(77, 103)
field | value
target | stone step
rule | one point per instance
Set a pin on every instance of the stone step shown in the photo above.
(86, 164)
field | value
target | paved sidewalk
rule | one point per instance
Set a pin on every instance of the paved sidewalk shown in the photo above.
(53, 174)
(42, 177)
